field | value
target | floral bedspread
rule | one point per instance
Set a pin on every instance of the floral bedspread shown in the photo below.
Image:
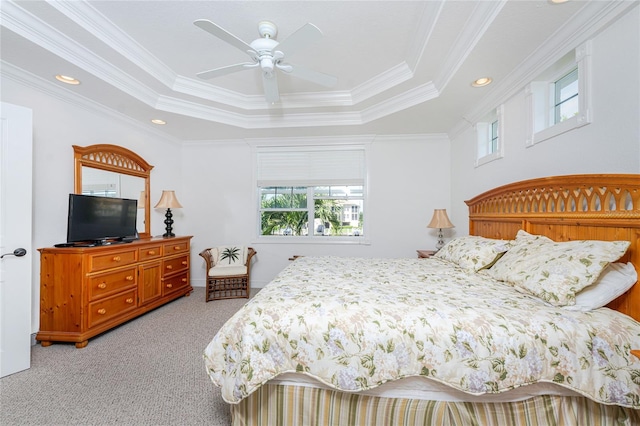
(356, 323)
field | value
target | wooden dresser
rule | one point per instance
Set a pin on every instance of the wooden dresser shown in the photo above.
(85, 291)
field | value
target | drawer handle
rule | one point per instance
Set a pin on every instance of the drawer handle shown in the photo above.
(184, 280)
(129, 300)
(169, 285)
(169, 266)
(116, 258)
(151, 252)
(184, 262)
(129, 278)
(102, 311)
(102, 285)
(176, 248)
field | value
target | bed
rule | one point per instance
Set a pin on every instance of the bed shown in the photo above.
(504, 326)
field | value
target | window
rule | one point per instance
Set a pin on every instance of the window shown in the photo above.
(559, 98)
(488, 133)
(311, 193)
(565, 93)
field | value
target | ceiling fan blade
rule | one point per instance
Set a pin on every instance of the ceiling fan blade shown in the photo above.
(222, 34)
(304, 36)
(310, 75)
(271, 92)
(217, 72)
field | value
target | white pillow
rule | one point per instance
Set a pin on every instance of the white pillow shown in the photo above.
(614, 281)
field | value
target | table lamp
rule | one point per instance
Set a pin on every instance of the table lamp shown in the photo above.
(168, 201)
(440, 220)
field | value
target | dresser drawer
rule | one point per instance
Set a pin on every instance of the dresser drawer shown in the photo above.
(149, 253)
(113, 282)
(175, 264)
(99, 262)
(110, 307)
(176, 247)
(175, 283)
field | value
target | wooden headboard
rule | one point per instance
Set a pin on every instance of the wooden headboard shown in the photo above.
(563, 208)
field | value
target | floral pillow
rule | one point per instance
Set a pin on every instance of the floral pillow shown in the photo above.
(555, 271)
(473, 252)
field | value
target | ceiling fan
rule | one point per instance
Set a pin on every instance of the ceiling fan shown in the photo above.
(268, 55)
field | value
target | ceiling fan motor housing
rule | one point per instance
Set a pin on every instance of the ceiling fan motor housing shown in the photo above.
(264, 47)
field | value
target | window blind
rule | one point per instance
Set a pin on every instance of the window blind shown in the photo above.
(310, 166)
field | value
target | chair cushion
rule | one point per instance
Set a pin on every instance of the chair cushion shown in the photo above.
(227, 271)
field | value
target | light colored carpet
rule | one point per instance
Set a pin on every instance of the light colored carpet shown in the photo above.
(148, 371)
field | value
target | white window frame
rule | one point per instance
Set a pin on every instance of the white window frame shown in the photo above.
(541, 124)
(328, 144)
(484, 137)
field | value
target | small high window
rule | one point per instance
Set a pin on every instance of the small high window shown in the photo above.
(488, 134)
(559, 98)
(566, 97)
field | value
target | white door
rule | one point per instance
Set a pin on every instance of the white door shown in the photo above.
(15, 233)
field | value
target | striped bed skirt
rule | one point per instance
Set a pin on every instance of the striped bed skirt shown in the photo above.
(284, 405)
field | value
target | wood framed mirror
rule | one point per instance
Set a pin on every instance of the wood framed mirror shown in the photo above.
(114, 171)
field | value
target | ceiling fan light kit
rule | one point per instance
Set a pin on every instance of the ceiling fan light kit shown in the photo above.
(268, 54)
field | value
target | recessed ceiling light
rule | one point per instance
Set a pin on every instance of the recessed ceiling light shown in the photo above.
(482, 82)
(67, 79)
(558, 1)
(158, 121)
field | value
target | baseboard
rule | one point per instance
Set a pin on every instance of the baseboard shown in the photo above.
(33, 339)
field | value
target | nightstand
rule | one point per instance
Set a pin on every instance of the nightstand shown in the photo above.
(423, 254)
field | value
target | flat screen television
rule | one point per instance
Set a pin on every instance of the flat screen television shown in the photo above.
(101, 220)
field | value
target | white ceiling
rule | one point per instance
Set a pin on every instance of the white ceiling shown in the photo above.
(403, 67)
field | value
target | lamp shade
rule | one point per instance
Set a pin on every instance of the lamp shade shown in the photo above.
(440, 220)
(168, 200)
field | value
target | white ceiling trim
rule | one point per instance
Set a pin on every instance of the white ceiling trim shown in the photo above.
(35, 30)
(430, 16)
(382, 82)
(263, 121)
(93, 21)
(85, 15)
(310, 140)
(205, 91)
(54, 90)
(480, 20)
(411, 97)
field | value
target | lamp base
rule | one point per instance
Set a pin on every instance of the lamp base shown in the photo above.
(168, 221)
(440, 242)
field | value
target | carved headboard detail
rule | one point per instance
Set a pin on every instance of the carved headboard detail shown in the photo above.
(563, 208)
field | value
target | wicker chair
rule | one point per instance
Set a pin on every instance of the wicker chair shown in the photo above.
(228, 281)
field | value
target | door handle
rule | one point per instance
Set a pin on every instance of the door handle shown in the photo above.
(19, 252)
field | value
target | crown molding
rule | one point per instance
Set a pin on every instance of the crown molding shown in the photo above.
(310, 140)
(427, 23)
(85, 15)
(42, 34)
(53, 90)
(407, 99)
(422, 137)
(481, 18)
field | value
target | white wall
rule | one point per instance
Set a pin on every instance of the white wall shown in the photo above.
(609, 144)
(408, 178)
(57, 125)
